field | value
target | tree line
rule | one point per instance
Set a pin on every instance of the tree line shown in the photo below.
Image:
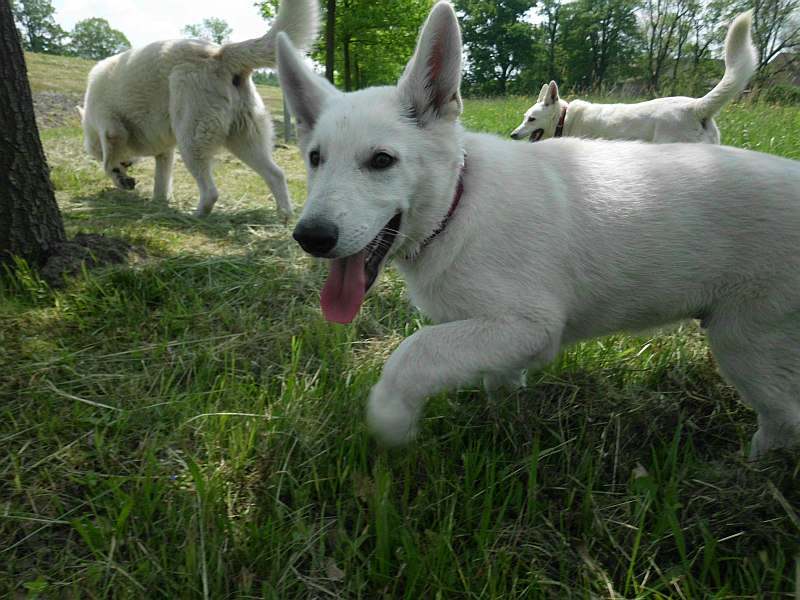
(91, 38)
(655, 47)
(512, 46)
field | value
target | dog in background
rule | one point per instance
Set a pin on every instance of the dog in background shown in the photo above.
(663, 120)
(195, 95)
(516, 250)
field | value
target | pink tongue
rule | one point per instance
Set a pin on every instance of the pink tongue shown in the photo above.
(344, 290)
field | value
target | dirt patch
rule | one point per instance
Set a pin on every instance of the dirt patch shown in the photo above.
(54, 109)
(89, 250)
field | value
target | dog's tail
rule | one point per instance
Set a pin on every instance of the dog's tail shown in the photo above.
(298, 18)
(740, 64)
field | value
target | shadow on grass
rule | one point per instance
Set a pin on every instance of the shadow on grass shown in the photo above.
(239, 234)
(133, 210)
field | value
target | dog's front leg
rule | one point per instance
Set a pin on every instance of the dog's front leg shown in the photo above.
(449, 355)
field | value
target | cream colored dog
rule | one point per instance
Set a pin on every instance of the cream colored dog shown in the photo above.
(193, 94)
(517, 250)
(663, 120)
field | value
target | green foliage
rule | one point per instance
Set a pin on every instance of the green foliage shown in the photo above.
(265, 78)
(95, 39)
(211, 29)
(783, 93)
(269, 8)
(601, 42)
(374, 39)
(38, 28)
(498, 42)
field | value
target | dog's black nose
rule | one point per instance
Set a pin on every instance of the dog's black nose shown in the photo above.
(514, 135)
(316, 237)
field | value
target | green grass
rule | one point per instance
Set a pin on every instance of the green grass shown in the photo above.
(63, 74)
(756, 126)
(190, 426)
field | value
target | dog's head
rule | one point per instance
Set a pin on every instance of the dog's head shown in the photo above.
(379, 160)
(540, 121)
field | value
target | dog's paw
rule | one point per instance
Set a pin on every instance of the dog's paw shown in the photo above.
(124, 182)
(285, 215)
(206, 204)
(389, 419)
(783, 435)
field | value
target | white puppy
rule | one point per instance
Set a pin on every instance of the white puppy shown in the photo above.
(195, 95)
(664, 120)
(517, 250)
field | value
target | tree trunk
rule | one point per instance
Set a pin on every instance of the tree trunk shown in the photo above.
(330, 41)
(348, 84)
(30, 224)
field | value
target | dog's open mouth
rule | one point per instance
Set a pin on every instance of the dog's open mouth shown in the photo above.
(536, 135)
(351, 277)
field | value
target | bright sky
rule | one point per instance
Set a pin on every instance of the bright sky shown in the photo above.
(145, 21)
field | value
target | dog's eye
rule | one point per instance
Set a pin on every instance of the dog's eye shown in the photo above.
(313, 158)
(531, 119)
(381, 160)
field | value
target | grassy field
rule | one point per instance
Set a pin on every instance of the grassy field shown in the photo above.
(189, 426)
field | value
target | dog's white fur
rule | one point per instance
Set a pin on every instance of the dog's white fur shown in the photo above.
(663, 120)
(193, 94)
(553, 242)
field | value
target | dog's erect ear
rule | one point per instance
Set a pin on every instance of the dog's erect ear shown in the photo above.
(306, 92)
(551, 94)
(79, 108)
(431, 81)
(542, 92)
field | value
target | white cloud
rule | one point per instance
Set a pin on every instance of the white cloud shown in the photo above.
(145, 21)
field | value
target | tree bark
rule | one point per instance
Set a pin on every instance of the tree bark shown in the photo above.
(348, 84)
(330, 41)
(30, 223)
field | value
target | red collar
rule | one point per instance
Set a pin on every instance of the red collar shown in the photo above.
(453, 205)
(560, 126)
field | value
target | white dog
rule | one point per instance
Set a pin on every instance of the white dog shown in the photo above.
(664, 120)
(517, 250)
(193, 94)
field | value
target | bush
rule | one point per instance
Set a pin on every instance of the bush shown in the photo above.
(783, 93)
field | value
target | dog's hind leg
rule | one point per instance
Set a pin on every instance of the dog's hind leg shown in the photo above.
(760, 356)
(252, 145)
(197, 151)
(447, 356)
(162, 188)
(200, 132)
(200, 168)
